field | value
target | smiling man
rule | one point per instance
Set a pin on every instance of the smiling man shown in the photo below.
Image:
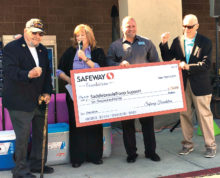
(27, 76)
(194, 52)
(134, 49)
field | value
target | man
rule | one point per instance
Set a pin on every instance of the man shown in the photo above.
(194, 52)
(27, 76)
(134, 49)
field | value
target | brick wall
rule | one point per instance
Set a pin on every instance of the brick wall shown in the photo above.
(60, 18)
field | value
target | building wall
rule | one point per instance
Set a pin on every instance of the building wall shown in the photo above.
(60, 18)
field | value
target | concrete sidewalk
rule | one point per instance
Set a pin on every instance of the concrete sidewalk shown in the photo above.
(168, 145)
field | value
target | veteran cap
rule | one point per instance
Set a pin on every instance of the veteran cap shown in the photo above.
(35, 25)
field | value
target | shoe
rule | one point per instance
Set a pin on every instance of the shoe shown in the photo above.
(28, 175)
(210, 153)
(76, 165)
(97, 162)
(153, 157)
(186, 151)
(47, 170)
(132, 159)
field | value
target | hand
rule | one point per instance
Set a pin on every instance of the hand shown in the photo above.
(35, 72)
(165, 37)
(184, 66)
(181, 65)
(124, 63)
(46, 98)
(81, 55)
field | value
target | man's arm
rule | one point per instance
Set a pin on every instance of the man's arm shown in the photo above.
(203, 63)
(111, 56)
(11, 65)
(166, 53)
(152, 54)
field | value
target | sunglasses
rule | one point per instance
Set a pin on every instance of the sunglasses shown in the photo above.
(39, 33)
(189, 26)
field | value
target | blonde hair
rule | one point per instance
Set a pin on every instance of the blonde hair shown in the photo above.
(127, 19)
(89, 34)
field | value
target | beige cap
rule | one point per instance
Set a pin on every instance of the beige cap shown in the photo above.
(35, 25)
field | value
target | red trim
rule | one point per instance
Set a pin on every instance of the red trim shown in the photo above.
(195, 173)
(78, 124)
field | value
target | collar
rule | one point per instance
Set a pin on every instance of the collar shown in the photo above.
(136, 38)
(189, 40)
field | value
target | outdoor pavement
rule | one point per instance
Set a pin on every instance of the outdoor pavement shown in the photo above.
(168, 146)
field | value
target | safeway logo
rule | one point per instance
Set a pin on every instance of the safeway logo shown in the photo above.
(110, 76)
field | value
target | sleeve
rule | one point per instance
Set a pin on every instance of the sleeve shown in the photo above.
(11, 65)
(111, 56)
(204, 62)
(152, 54)
(64, 61)
(96, 65)
(58, 72)
(99, 57)
(166, 53)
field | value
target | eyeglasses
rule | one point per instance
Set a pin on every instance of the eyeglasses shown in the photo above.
(39, 33)
(189, 26)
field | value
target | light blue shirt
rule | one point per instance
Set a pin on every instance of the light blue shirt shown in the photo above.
(188, 46)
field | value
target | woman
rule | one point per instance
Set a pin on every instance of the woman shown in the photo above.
(86, 143)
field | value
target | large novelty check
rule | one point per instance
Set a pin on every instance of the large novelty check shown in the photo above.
(112, 94)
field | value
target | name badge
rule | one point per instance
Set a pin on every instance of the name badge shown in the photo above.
(141, 43)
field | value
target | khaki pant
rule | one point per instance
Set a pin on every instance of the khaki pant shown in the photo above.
(201, 104)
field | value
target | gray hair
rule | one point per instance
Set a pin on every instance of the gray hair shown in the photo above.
(191, 17)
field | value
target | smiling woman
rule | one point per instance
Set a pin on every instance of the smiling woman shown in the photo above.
(86, 143)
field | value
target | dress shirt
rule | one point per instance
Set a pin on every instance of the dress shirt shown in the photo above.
(79, 63)
(142, 50)
(34, 54)
(188, 46)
